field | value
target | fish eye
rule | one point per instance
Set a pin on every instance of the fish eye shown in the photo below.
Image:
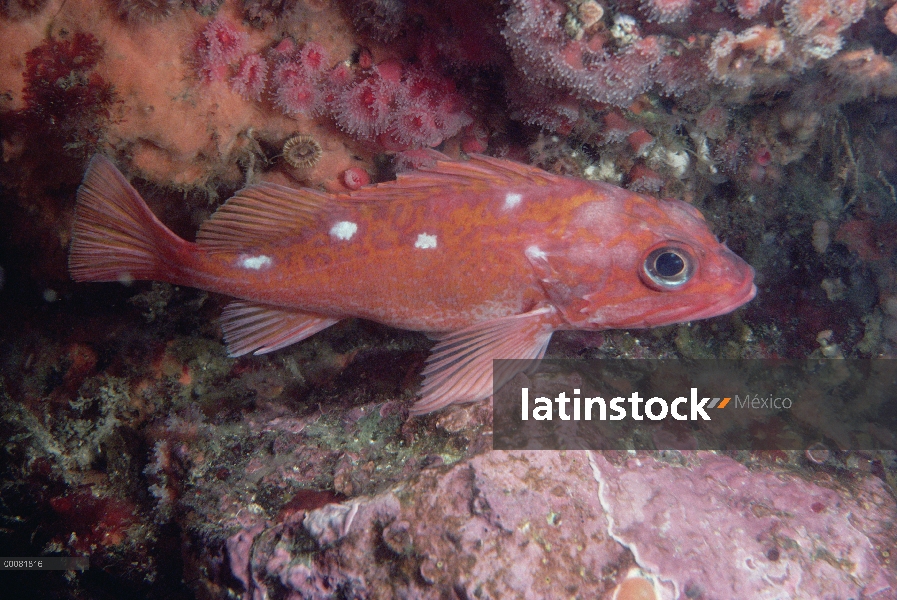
(668, 267)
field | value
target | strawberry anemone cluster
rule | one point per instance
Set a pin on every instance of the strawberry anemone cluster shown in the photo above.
(395, 105)
(399, 107)
(298, 79)
(217, 48)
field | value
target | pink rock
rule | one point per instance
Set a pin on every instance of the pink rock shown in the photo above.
(545, 524)
(715, 529)
(516, 524)
(239, 551)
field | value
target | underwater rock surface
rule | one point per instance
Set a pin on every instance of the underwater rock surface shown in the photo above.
(543, 524)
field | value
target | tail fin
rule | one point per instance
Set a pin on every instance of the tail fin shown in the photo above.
(115, 236)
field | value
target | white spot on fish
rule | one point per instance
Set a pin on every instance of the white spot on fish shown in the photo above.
(512, 200)
(344, 230)
(534, 252)
(255, 262)
(425, 241)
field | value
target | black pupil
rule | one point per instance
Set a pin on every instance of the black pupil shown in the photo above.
(669, 264)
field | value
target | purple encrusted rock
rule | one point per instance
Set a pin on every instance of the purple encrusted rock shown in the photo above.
(576, 524)
(712, 528)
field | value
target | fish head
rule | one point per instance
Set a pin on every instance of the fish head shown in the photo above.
(631, 261)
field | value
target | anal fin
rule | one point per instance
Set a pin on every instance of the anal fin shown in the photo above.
(460, 367)
(260, 329)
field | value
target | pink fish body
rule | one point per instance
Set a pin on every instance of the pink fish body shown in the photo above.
(488, 256)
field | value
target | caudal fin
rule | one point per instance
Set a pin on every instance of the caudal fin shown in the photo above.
(115, 236)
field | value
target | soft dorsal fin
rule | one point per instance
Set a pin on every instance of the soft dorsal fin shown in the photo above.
(487, 168)
(259, 214)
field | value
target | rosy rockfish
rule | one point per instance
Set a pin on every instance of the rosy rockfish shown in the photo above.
(487, 256)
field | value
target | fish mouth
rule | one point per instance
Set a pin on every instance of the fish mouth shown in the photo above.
(730, 300)
(738, 297)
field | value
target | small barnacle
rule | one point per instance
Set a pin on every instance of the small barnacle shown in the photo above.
(590, 13)
(301, 151)
(625, 30)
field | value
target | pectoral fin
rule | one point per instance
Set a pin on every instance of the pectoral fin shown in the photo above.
(460, 367)
(559, 272)
(544, 268)
(260, 329)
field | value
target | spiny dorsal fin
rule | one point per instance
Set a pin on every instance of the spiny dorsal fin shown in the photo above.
(461, 176)
(260, 214)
